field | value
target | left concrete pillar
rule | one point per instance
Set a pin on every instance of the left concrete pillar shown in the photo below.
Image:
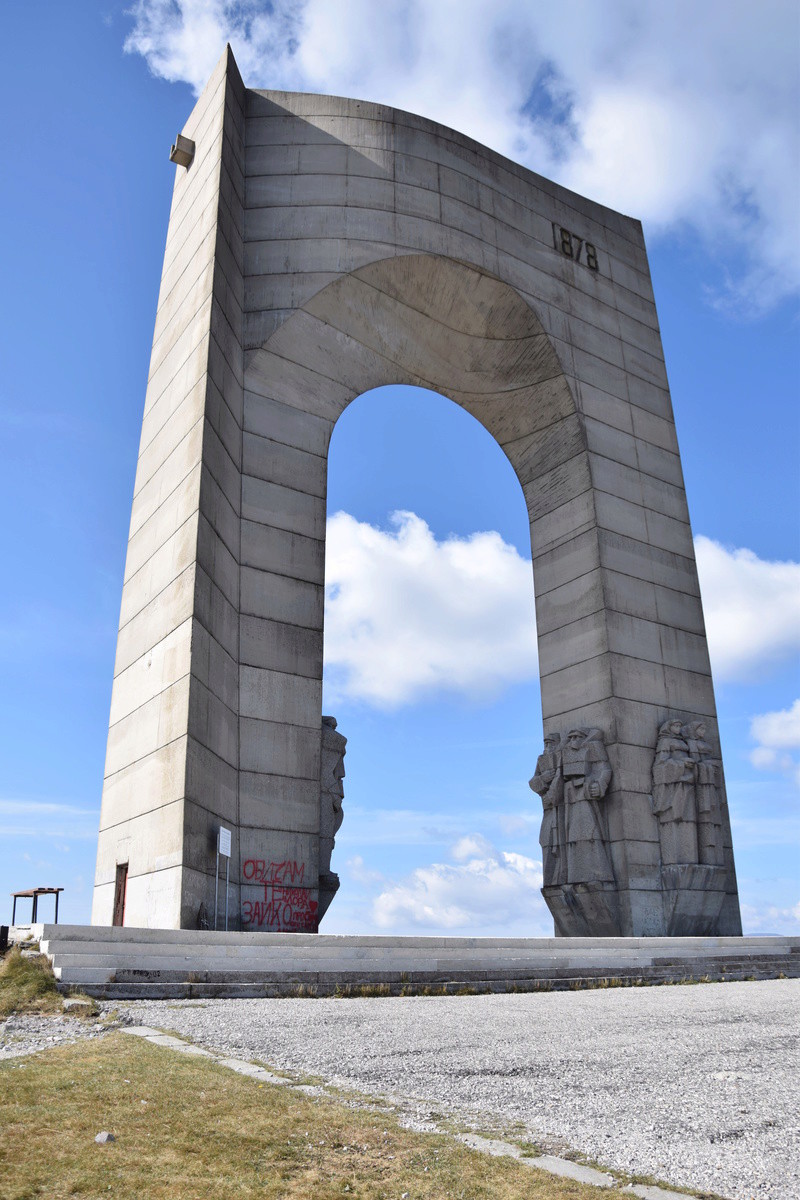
(171, 773)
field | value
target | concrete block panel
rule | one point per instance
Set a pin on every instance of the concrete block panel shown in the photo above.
(154, 724)
(280, 646)
(576, 687)
(219, 512)
(277, 550)
(278, 802)
(185, 393)
(163, 665)
(155, 898)
(564, 524)
(279, 598)
(586, 636)
(554, 489)
(226, 426)
(274, 748)
(283, 507)
(200, 829)
(276, 696)
(177, 442)
(275, 462)
(633, 772)
(130, 792)
(163, 522)
(165, 612)
(320, 247)
(262, 847)
(265, 293)
(217, 560)
(269, 418)
(641, 560)
(571, 601)
(212, 723)
(168, 561)
(201, 765)
(298, 387)
(215, 612)
(658, 431)
(150, 843)
(600, 406)
(515, 418)
(565, 563)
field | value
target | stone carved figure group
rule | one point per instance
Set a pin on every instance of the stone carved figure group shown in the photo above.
(572, 777)
(687, 795)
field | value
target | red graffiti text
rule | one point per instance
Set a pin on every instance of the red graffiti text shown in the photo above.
(287, 905)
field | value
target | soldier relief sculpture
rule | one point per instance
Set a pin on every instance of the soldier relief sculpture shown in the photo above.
(686, 795)
(572, 777)
(330, 811)
(687, 802)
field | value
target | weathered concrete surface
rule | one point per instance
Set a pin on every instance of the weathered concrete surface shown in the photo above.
(319, 247)
(698, 1086)
(127, 963)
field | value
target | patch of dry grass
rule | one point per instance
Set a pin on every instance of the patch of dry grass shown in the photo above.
(187, 1128)
(27, 985)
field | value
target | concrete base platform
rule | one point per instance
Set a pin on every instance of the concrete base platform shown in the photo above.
(123, 963)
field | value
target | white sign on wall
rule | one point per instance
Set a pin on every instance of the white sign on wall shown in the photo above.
(224, 842)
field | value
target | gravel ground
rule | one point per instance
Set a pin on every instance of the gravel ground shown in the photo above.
(21, 1034)
(699, 1086)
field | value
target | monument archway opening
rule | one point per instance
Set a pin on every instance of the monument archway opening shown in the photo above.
(430, 665)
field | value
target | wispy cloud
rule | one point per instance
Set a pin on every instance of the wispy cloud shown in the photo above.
(680, 114)
(43, 808)
(51, 819)
(770, 919)
(764, 829)
(410, 827)
(777, 738)
(483, 891)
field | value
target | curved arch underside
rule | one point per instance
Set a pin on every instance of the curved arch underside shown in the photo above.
(319, 248)
(436, 323)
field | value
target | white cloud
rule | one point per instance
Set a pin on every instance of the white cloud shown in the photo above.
(486, 892)
(407, 615)
(680, 114)
(361, 873)
(777, 735)
(752, 609)
(779, 730)
(472, 846)
(770, 920)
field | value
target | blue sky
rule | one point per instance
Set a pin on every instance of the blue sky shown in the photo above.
(695, 133)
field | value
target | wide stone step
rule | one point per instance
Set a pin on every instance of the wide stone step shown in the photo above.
(126, 960)
(168, 959)
(165, 958)
(196, 938)
(159, 989)
(288, 980)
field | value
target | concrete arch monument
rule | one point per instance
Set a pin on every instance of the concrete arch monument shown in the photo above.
(319, 247)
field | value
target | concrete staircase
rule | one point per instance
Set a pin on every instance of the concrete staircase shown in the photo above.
(123, 963)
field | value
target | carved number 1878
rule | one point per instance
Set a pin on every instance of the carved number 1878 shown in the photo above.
(574, 247)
